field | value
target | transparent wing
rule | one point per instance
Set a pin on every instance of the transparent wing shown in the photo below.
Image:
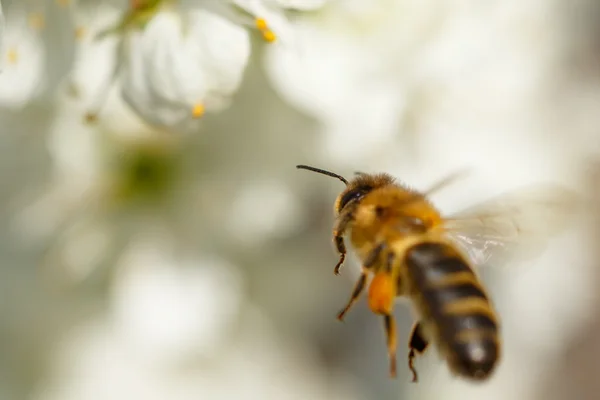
(516, 225)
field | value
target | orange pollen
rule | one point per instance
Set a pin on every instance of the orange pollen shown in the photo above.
(381, 293)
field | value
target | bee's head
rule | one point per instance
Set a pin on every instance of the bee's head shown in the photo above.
(356, 189)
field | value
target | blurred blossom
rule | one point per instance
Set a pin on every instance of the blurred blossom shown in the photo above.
(170, 306)
(96, 362)
(105, 187)
(23, 59)
(370, 71)
(90, 80)
(336, 74)
(1, 37)
(35, 53)
(263, 211)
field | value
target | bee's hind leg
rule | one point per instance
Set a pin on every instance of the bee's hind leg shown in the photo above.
(417, 344)
(390, 333)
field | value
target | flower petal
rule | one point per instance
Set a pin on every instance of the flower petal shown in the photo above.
(181, 66)
(22, 59)
(300, 4)
(1, 37)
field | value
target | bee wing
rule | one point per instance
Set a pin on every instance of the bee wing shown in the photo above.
(515, 225)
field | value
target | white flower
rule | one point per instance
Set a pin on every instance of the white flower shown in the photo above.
(181, 66)
(91, 80)
(1, 36)
(339, 72)
(180, 60)
(22, 58)
(35, 53)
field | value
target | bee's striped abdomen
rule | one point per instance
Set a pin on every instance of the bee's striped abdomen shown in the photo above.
(453, 301)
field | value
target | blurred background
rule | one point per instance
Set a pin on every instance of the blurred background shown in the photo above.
(157, 241)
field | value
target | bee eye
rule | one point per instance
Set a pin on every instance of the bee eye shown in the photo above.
(353, 194)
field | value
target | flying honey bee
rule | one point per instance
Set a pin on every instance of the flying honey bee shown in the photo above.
(411, 250)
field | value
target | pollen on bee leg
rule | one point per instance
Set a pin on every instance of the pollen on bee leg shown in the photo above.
(267, 34)
(381, 293)
(198, 110)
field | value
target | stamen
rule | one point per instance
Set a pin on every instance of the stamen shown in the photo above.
(80, 32)
(92, 115)
(267, 34)
(198, 110)
(12, 55)
(36, 21)
(261, 24)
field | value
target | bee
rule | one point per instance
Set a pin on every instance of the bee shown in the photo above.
(409, 249)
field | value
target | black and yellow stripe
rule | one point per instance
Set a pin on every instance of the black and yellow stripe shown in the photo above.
(453, 301)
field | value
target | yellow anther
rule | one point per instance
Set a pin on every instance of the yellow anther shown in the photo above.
(267, 34)
(12, 55)
(198, 110)
(36, 21)
(63, 3)
(80, 32)
(261, 24)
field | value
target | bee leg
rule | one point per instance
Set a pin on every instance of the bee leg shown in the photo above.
(390, 332)
(358, 288)
(416, 344)
(341, 249)
(338, 239)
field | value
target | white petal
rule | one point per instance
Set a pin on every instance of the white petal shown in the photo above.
(261, 211)
(180, 66)
(299, 4)
(95, 59)
(23, 60)
(1, 37)
(322, 77)
(169, 307)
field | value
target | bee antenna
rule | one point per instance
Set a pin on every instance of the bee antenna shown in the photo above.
(322, 171)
